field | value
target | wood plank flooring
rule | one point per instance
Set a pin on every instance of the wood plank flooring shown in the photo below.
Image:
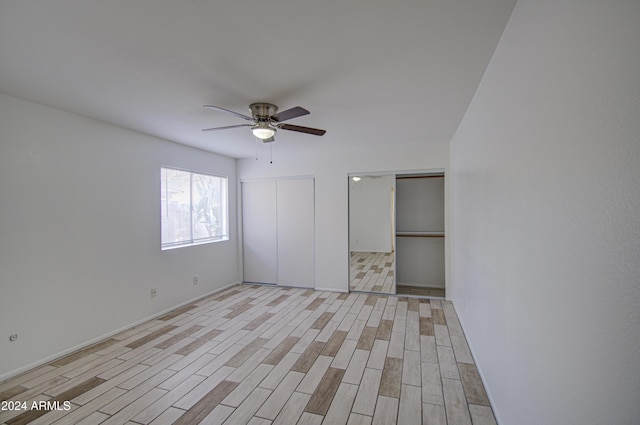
(420, 291)
(372, 272)
(264, 355)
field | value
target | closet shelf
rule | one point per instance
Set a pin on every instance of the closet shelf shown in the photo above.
(420, 234)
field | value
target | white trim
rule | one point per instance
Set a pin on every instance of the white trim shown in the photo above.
(434, 171)
(198, 242)
(261, 179)
(85, 344)
(417, 285)
(344, 291)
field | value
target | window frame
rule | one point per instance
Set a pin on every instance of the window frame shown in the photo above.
(225, 210)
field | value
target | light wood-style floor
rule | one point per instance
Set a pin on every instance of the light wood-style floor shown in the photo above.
(372, 272)
(420, 291)
(267, 355)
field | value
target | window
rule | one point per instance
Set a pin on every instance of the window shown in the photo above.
(194, 208)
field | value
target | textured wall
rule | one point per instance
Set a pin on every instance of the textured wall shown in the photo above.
(80, 231)
(545, 184)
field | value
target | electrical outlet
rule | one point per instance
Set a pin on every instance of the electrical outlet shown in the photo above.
(195, 279)
(154, 292)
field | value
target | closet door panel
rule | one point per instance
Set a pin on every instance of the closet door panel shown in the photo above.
(259, 232)
(296, 244)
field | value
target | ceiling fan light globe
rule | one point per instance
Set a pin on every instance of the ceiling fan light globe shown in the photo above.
(263, 132)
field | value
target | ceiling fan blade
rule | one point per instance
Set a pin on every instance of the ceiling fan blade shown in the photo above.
(300, 129)
(226, 127)
(245, 117)
(290, 113)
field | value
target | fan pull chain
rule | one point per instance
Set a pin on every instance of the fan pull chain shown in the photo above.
(271, 153)
(256, 148)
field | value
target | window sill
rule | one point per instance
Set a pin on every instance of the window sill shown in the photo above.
(205, 242)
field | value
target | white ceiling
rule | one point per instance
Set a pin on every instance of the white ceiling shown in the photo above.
(370, 71)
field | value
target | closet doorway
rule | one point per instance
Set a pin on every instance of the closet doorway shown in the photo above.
(396, 233)
(420, 253)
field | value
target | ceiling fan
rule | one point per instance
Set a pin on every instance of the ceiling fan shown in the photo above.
(265, 120)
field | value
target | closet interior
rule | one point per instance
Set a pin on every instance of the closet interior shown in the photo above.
(396, 233)
(420, 254)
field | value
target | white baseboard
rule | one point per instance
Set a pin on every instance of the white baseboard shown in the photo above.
(496, 414)
(417, 285)
(297, 287)
(331, 290)
(15, 372)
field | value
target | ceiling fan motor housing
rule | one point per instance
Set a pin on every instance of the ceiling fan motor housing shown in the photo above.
(263, 111)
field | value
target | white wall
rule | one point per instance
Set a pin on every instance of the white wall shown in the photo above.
(420, 262)
(545, 184)
(80, 231)
(330, 164)
(370, 214)
(420, 204)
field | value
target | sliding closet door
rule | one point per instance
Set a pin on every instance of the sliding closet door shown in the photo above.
(259, 232)
(295, 218)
